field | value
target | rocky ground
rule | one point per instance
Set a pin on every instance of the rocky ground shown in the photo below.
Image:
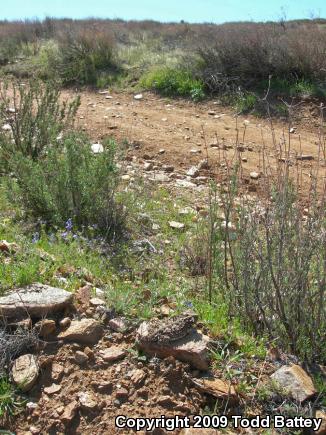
(85, 363)
(90, 366)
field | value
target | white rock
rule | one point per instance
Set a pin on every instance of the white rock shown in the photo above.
(138, 97)
(176, 225)
(100, 293)
(97, 148)
(6, 127)
(96, 302)
(87, 401)
(184, 183)
(254, 175)
(193, 172)
(148, 166)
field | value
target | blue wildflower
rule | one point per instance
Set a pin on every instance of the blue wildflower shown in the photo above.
(69, 224)
(35, 237)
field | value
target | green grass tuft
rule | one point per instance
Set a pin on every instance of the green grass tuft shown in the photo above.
(173, 82)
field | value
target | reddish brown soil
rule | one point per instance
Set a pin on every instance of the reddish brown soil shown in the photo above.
(178, 127)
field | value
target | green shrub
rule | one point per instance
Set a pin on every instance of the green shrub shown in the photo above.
(246, 102)
(84, 56)
(71, 184)
(172, 82)
(47, 59)
(36, 118)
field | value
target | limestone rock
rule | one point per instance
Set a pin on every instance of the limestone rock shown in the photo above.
(25, 372)
(87, 331)
(148, 166)
(295, 381)
(37, 300)
(159, 177)
(193, 348)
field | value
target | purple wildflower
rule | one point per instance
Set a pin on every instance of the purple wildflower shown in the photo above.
(35, 237)
(64, 235)
(69, 224)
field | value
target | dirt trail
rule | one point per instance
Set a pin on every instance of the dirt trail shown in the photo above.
(183, 128)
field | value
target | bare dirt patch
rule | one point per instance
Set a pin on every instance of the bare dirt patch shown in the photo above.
(182, 133)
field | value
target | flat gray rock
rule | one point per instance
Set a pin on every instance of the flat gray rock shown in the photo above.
(36, 300)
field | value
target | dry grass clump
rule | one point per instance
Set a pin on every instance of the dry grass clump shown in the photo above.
(272, 272)
(14, 344)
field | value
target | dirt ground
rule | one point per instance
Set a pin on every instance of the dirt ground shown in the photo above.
(188, 132)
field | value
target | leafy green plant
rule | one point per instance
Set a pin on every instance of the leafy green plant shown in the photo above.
(9, 403)
(174, 82)
(36, 118)
(71, 182)
(246, 102)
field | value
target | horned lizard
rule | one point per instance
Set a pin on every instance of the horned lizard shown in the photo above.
(167, 331)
